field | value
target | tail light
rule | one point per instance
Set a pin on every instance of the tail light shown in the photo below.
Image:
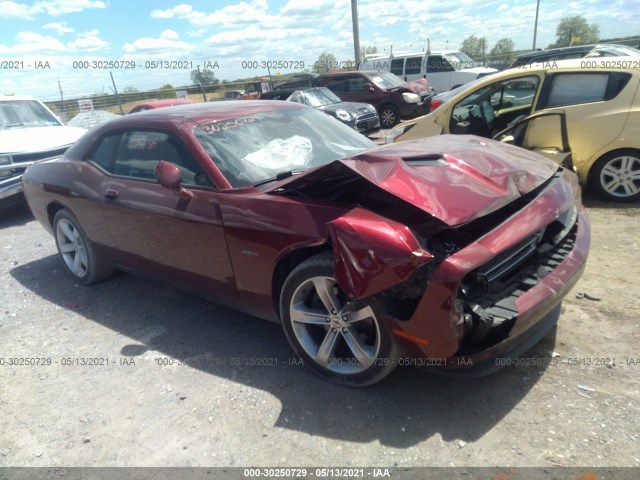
(435, 104)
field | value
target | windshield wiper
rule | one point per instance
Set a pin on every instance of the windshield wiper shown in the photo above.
(277, 178)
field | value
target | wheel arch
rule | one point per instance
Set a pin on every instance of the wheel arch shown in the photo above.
(285, 265)
(52, 209)
(602, 154)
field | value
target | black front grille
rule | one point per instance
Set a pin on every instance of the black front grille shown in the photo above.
(367, 121)
(21, 161)
(490, 291)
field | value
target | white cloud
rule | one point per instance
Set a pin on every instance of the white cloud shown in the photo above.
(88, 41)
(306, 7)
(61, 7)
(148, 45)
(232, 15)
(60, 27)
(30, 43)
(169, 34)
(10, 9)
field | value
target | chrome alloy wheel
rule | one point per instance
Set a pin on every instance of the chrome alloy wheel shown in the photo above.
(620, 176)
(72, 248)
(336, 337)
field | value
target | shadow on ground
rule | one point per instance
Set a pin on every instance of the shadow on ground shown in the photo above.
(408, 407)
(15, 215)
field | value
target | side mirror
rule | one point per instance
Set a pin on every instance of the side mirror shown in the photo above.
(169, 176)
(370, 87)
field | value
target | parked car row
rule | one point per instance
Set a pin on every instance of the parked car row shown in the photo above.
(575, 51)
(392, 97)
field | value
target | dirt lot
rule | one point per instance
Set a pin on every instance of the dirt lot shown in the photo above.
(173, 382)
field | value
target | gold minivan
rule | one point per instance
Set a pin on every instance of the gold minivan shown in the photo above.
(587, 107)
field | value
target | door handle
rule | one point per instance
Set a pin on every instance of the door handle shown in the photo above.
(111, 194)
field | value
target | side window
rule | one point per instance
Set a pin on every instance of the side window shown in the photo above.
(476, 113)
(139, 152)
(357, 85)
(337, 85)
(103, 155)
(437, 63)
(572, 88)
(396, 66)
(413, 66)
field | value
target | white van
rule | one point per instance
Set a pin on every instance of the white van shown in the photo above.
(443, 70)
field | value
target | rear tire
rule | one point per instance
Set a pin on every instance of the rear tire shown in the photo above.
(616, 176)
(344, 343)
(77, 252)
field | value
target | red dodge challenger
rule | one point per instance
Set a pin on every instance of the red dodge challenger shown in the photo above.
(454, 251)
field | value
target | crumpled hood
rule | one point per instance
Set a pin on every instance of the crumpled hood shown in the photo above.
(417, 86)
(455, 178)
(38, 139)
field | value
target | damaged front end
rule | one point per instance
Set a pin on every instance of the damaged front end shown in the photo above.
(465, 254)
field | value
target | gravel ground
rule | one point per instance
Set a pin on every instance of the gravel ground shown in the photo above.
(132, 372)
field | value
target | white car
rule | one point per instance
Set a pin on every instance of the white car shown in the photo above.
(443, 70)
(29, 132)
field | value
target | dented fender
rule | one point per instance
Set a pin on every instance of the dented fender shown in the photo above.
(373, 253)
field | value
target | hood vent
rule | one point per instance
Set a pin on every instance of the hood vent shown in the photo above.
(425, 160)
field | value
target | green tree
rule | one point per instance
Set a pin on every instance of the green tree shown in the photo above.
(167, 91)
(474, 47)
(130, 89)
(365, 51)
(204, 77)
(578, 29)
(324, 63)
(502, 50)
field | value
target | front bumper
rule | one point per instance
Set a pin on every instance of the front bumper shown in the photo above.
(412, 110)
(10, 186)
(444, 334)
(366, 125)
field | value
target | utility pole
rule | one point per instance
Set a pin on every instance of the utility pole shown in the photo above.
(64, 107)
(115, 90)
(356, 31)
(535, 25)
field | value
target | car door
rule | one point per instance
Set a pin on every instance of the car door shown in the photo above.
(490, 109)
(544, 133)
(155, 231)
(596, 105)
(362, 89)
(439, 72)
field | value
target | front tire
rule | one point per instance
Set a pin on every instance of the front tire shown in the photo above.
(76, 250)
(389, 116)
(342, 342)
(616, 176)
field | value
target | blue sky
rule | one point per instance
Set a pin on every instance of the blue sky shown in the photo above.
(61, 32)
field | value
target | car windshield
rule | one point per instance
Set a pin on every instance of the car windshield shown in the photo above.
(25, 114)
(386, 80)
(460, 60)
(253, 148)
(319, 97)
(444, 96)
